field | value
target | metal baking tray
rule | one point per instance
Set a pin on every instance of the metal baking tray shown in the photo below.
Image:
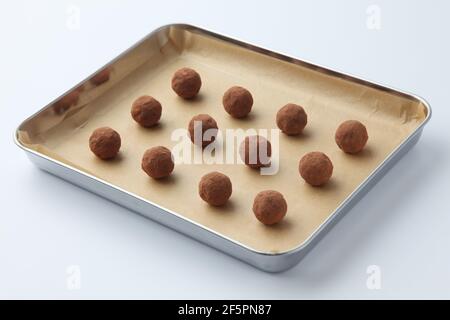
(55, 139)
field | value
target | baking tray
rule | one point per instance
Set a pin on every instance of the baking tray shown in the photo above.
(55, 139)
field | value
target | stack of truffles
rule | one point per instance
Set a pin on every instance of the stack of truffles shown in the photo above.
(215, 188)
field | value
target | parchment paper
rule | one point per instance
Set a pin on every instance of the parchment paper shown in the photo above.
(327, 100)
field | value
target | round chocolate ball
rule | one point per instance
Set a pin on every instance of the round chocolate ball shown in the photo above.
(202, 129)
(316, 168)
(291, 119)
(351, 136)
(255, 151)
(186, 83)
(146, 111)
(157, 162)
(238, 102)
(105, 143)
(269, 207)
(215, 188)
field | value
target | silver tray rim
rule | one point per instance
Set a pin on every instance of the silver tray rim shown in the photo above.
(275, 54)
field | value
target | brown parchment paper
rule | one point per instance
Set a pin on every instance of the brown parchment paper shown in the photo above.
(327, 100)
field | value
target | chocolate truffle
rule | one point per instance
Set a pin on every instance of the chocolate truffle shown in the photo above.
(105, 143)
(255, 151)
(238, 102)
(101, 77)
(351, 136)
(201, 124)
(316, 168)
(146, 111)
(157, 162)
(269, 207)
(291, 119)
(186, 83)
(215, 188)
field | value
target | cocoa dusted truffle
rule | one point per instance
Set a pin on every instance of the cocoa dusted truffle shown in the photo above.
(105, 143)
(186, 83)
(351, 136)
(269, 207)
(146, 111)
(255, 151)
(202, 129)
(316, 168)
(157, 162)
(101, 77)
(215, 188)
(291, 119)
(238, 102)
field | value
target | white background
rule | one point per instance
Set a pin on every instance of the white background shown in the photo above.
(47, 225)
